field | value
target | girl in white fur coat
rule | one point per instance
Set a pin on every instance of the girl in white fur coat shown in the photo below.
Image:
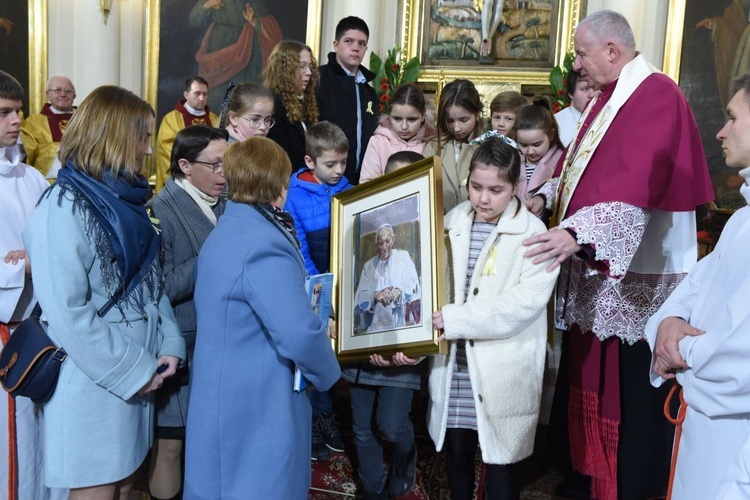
(488, 387)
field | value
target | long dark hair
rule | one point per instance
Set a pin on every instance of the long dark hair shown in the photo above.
(539, 115)
(458, 93)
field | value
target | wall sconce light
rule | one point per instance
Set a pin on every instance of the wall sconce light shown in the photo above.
(105, 6)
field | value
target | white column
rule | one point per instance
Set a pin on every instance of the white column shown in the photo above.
(380, 16)
(132, 36)
(82, 46)
(648, 18)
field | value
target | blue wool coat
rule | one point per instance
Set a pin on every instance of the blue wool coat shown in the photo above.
(97, 430)
(248, 433)
(310, 206)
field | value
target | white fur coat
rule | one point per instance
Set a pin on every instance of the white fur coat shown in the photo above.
(504, 322)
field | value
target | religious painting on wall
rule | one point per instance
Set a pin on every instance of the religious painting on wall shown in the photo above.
(27, 62)
(220, 40)
(387, 243)
(500, 40)
(707, 50)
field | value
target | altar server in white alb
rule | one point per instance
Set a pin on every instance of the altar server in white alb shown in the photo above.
(701, 336)
(20, 188)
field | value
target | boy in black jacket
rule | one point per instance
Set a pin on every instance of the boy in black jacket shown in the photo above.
(344, 94)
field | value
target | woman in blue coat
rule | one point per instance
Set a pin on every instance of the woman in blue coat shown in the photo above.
(248, 433)
(89, 238)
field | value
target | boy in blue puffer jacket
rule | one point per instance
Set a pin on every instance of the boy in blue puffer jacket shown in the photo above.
(309, 202)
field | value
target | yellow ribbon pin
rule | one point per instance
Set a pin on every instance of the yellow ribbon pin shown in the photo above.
(369, 108)
(489, 267)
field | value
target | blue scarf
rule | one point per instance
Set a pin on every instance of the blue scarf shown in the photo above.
(123, 234)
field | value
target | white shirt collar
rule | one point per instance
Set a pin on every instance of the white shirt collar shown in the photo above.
(9, 159)
(58, 112)
(745, 188)
(359, 77)
(193, 111)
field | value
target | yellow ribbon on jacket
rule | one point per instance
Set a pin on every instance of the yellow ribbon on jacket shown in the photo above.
(489, 266)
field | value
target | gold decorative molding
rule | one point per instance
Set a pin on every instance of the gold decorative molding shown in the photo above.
(37, 54)
(413, 13)
(673, 39)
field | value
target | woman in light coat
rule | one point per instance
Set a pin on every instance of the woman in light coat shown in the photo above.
(90, 237)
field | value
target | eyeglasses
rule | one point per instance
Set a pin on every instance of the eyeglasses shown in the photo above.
(256, 121)
(61, 91)
(215, 166)
(304, 67)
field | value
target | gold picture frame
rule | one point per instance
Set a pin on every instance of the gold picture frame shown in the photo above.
(37, 54)
(415, 15)
(673, 39)
(385, 304)
(23, 49)
(313, 25)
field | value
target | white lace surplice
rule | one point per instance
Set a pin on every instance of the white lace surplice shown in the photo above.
(640, 258)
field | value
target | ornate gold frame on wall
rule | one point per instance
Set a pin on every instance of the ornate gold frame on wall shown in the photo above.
(153, 21)
(569, 14)
(37, 54)
(673, 39)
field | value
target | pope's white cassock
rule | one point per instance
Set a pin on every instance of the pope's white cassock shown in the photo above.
(20, 189)
(714, 450)
(397, 271)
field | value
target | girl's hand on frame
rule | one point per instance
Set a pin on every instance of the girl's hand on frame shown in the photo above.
(437, 320)
(378, 360)
(331, 328)
(401, 359)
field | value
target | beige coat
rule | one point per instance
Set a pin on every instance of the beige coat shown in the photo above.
(454, 175)
(504, 321)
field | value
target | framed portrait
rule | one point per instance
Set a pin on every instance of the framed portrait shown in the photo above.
(489, 40)
(23, 48)
(228, 41)
(388, 263)
(707, 45)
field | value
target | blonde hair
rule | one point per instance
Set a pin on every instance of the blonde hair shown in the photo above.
(256, 170)
(109, 131)
(280, 76)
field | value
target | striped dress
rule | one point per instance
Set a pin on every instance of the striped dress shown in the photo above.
(461, 410)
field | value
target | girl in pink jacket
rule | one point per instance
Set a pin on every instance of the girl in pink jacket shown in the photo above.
(404, 128)
(539, 140)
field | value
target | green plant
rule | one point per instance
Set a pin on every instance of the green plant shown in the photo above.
(558, 79)
(392, 72)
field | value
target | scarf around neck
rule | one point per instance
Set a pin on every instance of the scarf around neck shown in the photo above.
(119, 228)
(279, 218)
(205, 202)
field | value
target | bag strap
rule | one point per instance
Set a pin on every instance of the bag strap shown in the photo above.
(37, 311)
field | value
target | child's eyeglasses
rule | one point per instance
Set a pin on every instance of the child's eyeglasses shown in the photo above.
(256, 121)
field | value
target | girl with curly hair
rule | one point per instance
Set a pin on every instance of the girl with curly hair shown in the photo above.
(292, 76)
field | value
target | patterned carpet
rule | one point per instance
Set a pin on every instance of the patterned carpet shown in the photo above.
(336, 479)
